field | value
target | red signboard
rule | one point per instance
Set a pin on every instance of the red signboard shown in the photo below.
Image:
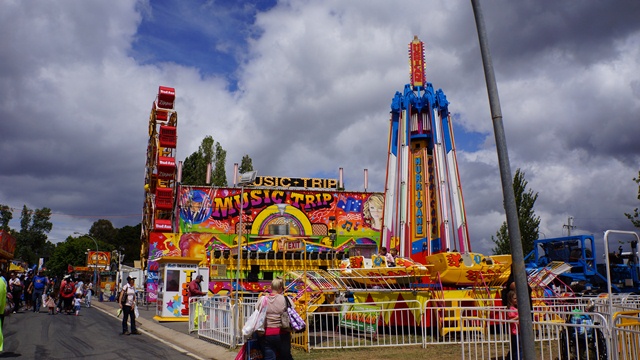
(7, 244)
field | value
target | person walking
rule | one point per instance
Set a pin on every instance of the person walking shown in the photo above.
(77, 304)
(127, 302)
(15, 286)
(67, 293)
(79, 288)
(3, 303)
(28, 290)
(87, 299)
(39, 285)
(275, 339)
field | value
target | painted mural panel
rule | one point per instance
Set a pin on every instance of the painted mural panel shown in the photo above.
(210, 219)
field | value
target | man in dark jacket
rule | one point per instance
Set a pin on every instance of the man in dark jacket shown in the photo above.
(194, 287)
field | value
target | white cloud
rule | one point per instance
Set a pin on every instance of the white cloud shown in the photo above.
(314, 85)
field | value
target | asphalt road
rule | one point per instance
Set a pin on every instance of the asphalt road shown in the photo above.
(91, 335)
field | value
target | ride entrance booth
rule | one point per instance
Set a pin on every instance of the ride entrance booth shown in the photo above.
(174, 275)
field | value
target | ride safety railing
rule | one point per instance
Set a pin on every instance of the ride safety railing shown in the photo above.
(212, 318)
(582, 335)
(564, 328)
(358, 325)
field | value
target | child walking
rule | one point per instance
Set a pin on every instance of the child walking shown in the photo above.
(76, 303)
(512, 314)
(50, 303)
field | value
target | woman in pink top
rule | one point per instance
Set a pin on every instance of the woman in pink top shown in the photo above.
(276, 342)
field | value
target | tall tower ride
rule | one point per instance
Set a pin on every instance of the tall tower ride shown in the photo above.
(424, 209)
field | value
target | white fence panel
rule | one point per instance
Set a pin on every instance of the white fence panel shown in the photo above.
(195, 311)
(626, 335)
(215, 320)
(442, 318)
(356, 325)
(584, 335)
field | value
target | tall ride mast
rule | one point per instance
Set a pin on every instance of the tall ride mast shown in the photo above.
(424, 208)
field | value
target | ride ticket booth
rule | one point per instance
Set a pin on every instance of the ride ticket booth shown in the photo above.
(174, 275)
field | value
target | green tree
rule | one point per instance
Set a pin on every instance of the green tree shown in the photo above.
(219, 174)
(528, 221)
(34, 226)
(103, 230)
(246, 165)
(128, 242)
(5, 217)
(194, 168)
(635, 217)
(73, 251)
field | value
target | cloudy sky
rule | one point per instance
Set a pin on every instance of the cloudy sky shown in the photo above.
(304, 88)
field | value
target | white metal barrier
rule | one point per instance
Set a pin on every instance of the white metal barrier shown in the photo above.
(355, 325)
(480, 330)
(584, 335)
(214, 319)
(626, 335)
(195, 311)
(442, 318)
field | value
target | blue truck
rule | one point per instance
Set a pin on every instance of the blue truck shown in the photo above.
(586, 276)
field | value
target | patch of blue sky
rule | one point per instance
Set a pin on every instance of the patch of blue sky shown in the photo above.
(468, 141)
(210, 36)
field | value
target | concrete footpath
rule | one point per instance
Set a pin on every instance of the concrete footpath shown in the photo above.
(174, 333)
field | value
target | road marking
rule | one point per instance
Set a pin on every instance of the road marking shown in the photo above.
(174, 346)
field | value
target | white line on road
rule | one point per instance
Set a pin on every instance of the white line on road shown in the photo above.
(172, 345)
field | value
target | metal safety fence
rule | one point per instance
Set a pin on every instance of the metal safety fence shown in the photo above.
(582, 335)
(357, 325)
(626, 335)
(212, 318)
(565, 329)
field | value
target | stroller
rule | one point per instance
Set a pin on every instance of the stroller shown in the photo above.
(582, 342)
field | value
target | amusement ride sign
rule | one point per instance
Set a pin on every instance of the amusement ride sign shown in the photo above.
(287, 182)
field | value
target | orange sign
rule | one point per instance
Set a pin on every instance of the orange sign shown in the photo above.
(101, 258)
(416, 58)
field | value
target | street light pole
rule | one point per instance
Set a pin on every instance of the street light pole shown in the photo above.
(95, 269)
(245, 179)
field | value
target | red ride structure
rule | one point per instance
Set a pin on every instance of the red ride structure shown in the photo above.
(160, 169)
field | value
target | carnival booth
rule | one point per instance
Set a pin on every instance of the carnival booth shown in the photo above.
(174, 276)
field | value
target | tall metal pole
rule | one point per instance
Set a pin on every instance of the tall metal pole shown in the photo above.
(245, 179)
(520, 275)
(237, 310)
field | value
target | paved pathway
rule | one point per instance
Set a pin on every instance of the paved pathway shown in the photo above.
(176, 333)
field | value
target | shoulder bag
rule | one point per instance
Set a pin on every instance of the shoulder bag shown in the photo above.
(293, 320)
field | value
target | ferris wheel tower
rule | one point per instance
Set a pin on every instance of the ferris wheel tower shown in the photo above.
(160, 169)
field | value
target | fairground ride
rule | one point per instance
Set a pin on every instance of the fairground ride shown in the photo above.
(160, 170)
(324, 239)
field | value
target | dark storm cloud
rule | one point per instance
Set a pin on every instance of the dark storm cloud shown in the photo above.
(584, 32)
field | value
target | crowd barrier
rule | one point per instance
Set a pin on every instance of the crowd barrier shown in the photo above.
(479, 327)
(581, 335)
(212, 318)
(356, 325)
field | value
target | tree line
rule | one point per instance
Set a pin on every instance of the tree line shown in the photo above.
(32, 242)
